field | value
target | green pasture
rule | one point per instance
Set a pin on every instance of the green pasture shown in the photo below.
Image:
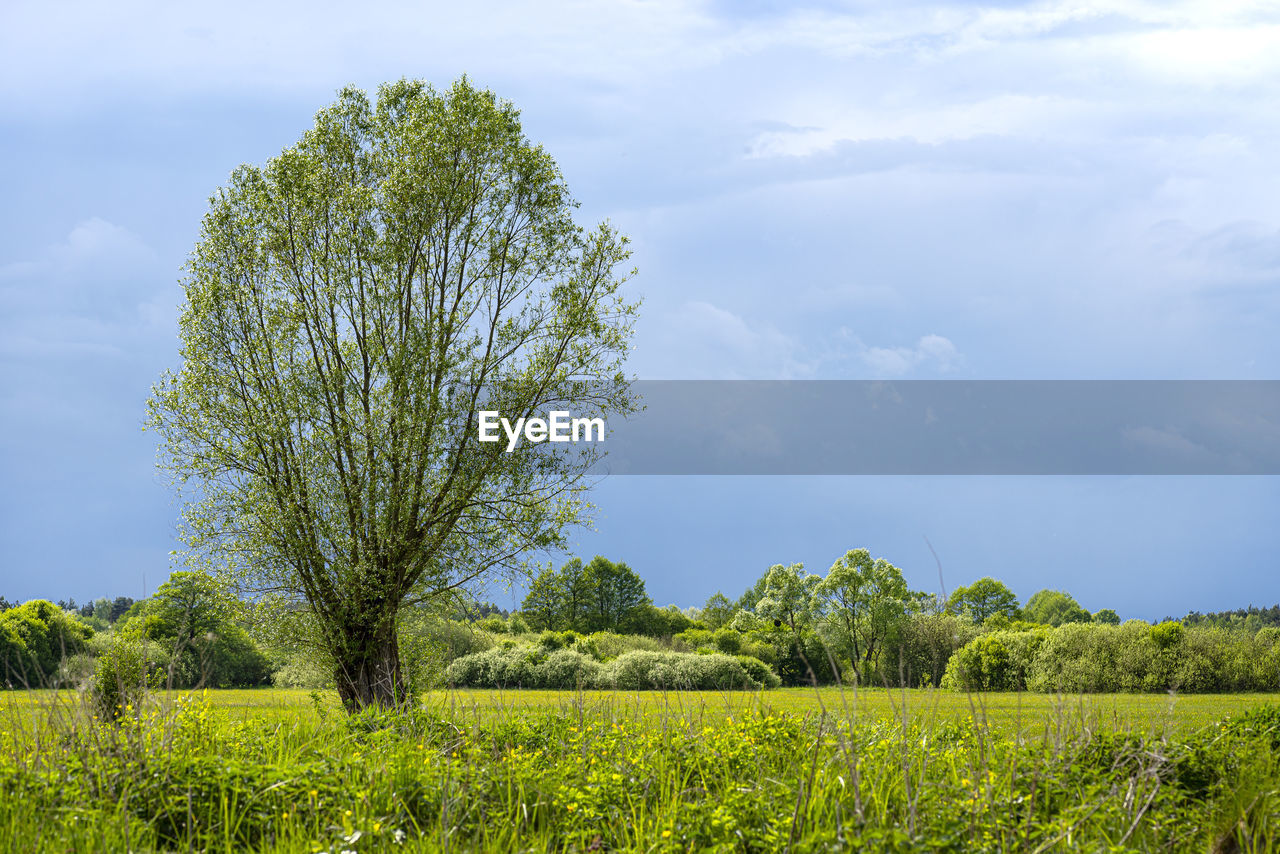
(1006, 714)
(783, 770)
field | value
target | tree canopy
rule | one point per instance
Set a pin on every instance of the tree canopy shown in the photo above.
(1054, 607)
(984, 598)
(599, 596)
(350, 308)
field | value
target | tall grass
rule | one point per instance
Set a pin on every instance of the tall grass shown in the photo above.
(673, 771)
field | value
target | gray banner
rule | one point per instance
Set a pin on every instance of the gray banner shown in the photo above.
(948, 427)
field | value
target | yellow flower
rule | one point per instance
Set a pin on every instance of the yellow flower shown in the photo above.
(665, 834)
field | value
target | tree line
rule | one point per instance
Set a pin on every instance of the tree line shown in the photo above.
(859, 621)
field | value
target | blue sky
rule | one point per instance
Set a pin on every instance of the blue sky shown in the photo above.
(833, 190)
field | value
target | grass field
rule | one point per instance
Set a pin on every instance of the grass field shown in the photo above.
(789, 769)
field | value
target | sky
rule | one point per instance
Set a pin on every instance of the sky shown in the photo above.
(828, 190)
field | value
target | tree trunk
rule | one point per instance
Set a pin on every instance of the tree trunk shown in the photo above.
(368, 671)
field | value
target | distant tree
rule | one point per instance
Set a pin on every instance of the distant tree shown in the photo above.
(5, 604)
(599, 596)
(193, 617)
(544, 605)
(1107, 617)
(579, 594)
(865, 602)
(617, 596)
(1054, 608)
(120, 606)
(34, 638)
(983, 598)
(788, 595)
(658, 622)
(718, 611)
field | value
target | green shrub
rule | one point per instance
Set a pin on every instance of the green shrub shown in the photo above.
(640, 670)
(567, 669)
(495, 625)
(759, 671)
(524, 667)
(120, 680)
(728, 641)
(610, 645)
(1076, 658)
(998, 661)
(34, 638)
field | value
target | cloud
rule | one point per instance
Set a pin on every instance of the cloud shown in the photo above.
(97, 292)
(931, 352)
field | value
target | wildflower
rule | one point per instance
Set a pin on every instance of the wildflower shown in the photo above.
(666, 834)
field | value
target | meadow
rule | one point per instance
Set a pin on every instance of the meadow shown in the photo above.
(780, 770)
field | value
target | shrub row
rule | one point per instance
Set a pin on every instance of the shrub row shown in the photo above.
(1134, 657)
(536, 667)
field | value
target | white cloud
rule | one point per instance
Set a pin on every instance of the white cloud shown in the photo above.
(931, 352)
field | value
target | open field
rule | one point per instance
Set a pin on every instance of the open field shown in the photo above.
(280, 770)
(1007, 714)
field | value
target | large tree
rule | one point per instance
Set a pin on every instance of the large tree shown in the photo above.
(865, 602)
(984, 598)
(350, 308)
(618, 597)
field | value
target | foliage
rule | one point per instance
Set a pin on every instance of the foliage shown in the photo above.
(192, 617)
(1053, 608)
(918, 654)
(194, 777)
(34, 639)
(718, 611)
(788, 596)
(1134, 656)
(982, 599)
(121, 679)
(350, 309)
(865, 604)
(599, 596)
(1107, 616)
(638, 671)
(567, 664)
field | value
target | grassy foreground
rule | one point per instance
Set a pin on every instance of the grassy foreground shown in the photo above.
(792, 769)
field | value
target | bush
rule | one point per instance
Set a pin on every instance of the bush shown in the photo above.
(998, 661)
(610, 645)
(1132, 657)
(524, 667)
(918, 654)
(567, 669)
(728, 641)
(34, 638)
(120, 680)
(759, 671)
(495, 625)
(638, 671)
